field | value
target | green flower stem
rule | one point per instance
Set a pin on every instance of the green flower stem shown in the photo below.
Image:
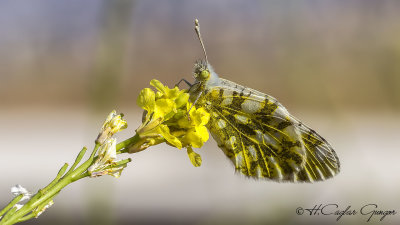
(122, 147)
(9, 213)
(58, 177)
(27, 217)
(46, 195)
(77, 160)
(11, 204)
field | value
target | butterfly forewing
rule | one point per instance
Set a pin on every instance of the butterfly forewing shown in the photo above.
(262, 139)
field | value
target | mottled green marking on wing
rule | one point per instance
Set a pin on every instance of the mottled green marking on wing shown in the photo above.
(263, 140)
(322, 161)
(259, 142)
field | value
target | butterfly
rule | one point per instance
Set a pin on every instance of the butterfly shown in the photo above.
(257, 133)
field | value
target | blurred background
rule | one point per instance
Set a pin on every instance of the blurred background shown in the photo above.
(64, 65)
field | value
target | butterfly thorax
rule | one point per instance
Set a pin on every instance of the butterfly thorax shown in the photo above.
(205, 77)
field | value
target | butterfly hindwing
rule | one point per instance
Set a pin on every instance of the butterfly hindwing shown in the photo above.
(322, 161)
(262, 139)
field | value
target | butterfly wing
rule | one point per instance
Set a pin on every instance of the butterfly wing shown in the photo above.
(263, 140)
(321, 161)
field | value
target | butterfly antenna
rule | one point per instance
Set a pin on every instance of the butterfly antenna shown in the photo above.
(197, 29)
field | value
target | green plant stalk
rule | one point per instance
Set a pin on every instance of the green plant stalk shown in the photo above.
(11, 204)
(45, 195)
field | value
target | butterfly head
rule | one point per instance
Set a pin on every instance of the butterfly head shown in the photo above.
(201, 72)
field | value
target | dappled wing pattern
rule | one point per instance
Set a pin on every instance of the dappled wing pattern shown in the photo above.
(322, 161)
(263, 140)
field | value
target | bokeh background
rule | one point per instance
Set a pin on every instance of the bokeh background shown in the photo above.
(64, 65)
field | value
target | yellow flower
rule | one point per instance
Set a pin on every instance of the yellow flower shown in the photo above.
(113, 124)
(196, 132)
(166, 119)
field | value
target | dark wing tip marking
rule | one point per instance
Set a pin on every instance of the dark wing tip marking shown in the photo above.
(322, 160)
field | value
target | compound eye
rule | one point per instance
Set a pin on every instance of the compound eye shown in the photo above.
(204, 75)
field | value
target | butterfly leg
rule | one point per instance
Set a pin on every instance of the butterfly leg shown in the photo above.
(197, 98)
(187, 82)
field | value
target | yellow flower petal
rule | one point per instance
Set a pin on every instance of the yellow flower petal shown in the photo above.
(163, 107)
(146, 100)
(172, 93)
(158, 85)
(182, 99)
(184, 122)
(196, 137)
(164, 131)
(192, 138)
(194, 157)
(159, 95)
(205, 116)
(166, 91)
(202, 133)
(200, 116)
